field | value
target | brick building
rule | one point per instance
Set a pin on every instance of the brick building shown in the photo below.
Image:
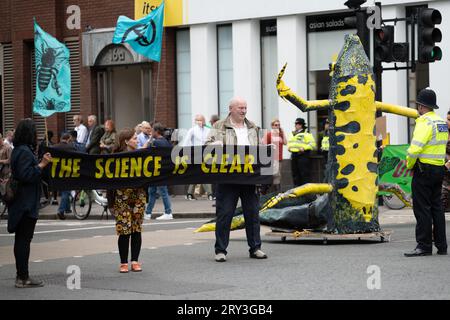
(108, 80)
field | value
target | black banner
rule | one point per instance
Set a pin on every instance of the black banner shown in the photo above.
(161, 166)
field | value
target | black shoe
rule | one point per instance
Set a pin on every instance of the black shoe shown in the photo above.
(442, 252)
(258, 254)
(68, 211)
(29, 283)
(61, 216)
(418, 253)
(54, 202)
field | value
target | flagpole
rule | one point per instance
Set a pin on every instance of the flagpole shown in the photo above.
(157, 79)
(46, 130)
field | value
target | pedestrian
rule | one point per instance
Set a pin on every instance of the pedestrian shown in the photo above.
(277, 138)
(158, 141)
(138, 129)
(79, 147)
(9, 136)
(44, 143)
(446, 183)
(5, 159)
(236, 129)
(325, 147)
(108, 140)
(45, 176)
(80, 128)
(96, 132)
(300, 144)
(65, 144)
(128, 207)
(214, 118)
(197, 136)
(145, 137)
(426, 156)
(23, 211)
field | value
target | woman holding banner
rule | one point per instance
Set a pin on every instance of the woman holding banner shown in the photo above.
(128, 209)
(23, 211)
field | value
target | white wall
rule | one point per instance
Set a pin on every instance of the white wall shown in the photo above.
(247, 66)
(394, 83)
(205, 11)
(291, 36)
(204, 70)
(440, 70)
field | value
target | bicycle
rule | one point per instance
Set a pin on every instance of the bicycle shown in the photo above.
(82, 203)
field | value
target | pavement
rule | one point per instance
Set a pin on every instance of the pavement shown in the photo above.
(202, 208)
(181, 208)
(178, 264)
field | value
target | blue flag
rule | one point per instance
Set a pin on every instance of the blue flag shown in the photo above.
(143, 35)
(52, 74)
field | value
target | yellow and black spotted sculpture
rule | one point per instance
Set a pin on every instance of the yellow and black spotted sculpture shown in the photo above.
(348, 200)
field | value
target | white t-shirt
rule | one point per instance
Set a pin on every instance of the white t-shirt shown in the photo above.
(82, 133)
(242, 136)
(196, 136)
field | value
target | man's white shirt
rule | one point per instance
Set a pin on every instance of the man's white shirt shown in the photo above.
(82, 133)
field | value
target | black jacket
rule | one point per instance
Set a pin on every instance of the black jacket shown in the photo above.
(25, 170)
(94, 144)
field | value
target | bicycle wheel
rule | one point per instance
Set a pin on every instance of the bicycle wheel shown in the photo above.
(82, 203)
(392, 202)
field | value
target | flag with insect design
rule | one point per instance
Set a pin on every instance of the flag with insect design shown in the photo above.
(52, 74)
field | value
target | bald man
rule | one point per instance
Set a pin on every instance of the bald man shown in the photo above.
(236, 129)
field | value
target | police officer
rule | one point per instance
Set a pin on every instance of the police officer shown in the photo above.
(300, 144)
(426, 155)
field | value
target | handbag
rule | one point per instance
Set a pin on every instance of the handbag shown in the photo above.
(8, 189)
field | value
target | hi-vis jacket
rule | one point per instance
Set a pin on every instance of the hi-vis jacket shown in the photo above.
(429, 141)
(325, 143)
(301, 139)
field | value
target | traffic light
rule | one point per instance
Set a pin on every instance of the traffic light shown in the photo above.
(428, 35)
(384, 41)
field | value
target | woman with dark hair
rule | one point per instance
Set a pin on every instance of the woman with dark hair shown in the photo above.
(128, 208)
(23, 211)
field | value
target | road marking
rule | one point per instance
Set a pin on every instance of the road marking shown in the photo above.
(107, 227)
(114, 251)
(188, 244)
(152, 248)
(64, 240)
(97, 236)
(78, 256)
(38, 261)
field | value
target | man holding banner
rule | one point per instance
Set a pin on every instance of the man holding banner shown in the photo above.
(236, 130)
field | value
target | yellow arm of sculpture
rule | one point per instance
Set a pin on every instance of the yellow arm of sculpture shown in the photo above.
(287, 94)
(309, 188)
(392, 108)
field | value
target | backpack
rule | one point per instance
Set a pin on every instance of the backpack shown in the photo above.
(8, 189)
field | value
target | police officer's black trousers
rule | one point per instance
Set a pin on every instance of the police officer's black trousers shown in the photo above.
(426, 192)
(301, 168)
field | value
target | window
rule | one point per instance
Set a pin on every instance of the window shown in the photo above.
(184, 78)
(225, 67)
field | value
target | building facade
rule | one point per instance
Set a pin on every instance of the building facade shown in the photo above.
(109, 81)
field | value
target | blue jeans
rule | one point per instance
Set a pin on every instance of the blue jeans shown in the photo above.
(164, 193)
(64, 205)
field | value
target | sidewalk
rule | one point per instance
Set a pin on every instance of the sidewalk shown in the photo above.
(203, 209)
(181, 208)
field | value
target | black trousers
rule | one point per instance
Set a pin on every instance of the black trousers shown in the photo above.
(426, 193)
(227, 197)
(301, 168)
(23, 236)
(124, 243)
